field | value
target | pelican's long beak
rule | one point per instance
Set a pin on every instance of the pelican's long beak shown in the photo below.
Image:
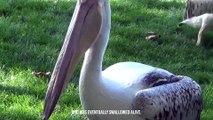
(82, 33)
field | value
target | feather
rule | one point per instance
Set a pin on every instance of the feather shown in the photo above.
(170, 101)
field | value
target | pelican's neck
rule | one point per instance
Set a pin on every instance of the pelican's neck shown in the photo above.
(92, 65)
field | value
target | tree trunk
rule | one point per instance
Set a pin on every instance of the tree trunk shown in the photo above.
(198, 7)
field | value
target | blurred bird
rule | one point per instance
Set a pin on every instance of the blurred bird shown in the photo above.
(204, 22)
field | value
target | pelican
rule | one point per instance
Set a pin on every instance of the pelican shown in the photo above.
(156, 93)
(204, 22)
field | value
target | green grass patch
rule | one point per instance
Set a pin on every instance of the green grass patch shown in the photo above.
(32, 33)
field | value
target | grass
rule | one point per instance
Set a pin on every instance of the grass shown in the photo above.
(32, 32)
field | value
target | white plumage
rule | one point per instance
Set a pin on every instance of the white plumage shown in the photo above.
(203, 22)
(156, 93)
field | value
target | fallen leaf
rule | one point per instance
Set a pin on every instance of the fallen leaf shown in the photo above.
(41, 74)
(152, 36)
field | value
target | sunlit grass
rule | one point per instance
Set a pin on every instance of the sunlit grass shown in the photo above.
(32, 32)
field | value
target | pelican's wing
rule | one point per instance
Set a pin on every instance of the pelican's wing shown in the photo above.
(178, 100)
(198, 7)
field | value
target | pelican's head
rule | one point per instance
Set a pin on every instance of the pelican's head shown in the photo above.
(90, 20)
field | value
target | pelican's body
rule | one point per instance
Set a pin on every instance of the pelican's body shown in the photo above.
(156, 93)
(204, 22)
(122, 85)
